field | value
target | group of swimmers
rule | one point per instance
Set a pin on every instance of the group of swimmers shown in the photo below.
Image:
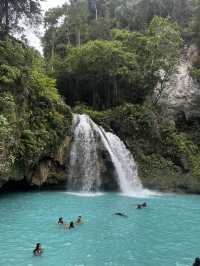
(38, 248)
(71, 224)
(141, 206)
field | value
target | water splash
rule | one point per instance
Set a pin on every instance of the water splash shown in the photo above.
(84, 169)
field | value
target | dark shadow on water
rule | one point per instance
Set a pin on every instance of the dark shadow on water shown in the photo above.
(23, 186)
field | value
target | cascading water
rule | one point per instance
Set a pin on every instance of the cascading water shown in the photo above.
(125, 165)
(85, 173)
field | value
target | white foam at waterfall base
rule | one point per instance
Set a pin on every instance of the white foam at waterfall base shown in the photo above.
(85, 194)
(84, 172)
(143, 194)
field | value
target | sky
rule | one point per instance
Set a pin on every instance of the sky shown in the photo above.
(32, 38)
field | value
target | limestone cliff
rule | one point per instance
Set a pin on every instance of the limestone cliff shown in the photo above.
(180, 91)
(53, 170)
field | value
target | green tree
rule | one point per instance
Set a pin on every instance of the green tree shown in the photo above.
(65, 26)
(51, 22)
(98, 73)
(11, 12)
(158, 52)
(163, 47)
(33, 117)
(78, 20)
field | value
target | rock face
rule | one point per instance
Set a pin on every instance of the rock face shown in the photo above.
(50, 171)
(181, 90)
(53, 171)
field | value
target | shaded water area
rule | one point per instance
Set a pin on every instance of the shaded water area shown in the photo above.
(165, 234)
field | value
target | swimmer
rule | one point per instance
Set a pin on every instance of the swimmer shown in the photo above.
(66, 226)
(79, 220)
(196, 262)
(71, 225)
(120, 214)
(60, 220)
(143, 205)
(38, 250)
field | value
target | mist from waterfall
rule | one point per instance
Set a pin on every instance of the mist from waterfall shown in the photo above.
(84, 174)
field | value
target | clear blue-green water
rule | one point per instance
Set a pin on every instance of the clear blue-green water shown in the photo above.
(165, 234)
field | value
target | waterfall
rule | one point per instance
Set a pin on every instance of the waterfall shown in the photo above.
(125, 165)
(85, 172)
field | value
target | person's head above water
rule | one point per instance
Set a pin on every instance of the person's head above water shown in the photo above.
(197, 261)
(38, 245)
(71, 225)
(38, 249)
(60, 220)
(79, 220)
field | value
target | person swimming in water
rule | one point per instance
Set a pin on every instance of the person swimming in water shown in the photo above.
(60, 220)
(144, 205)
(120, 214)
(196, 262)
(71, 225)
(79, 220)
(38, 250)
(141, 206)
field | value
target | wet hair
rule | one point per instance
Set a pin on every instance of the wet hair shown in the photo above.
(197, 260)
(71, 225)
(36, 248)
(60, 220)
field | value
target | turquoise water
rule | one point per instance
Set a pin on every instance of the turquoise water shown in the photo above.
(165, 234)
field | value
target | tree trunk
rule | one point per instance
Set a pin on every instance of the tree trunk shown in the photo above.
(7, 17)
(116, 92)
(159, 94)
(79, 38)
(96, 11)
(68, 39)
(52, 50)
